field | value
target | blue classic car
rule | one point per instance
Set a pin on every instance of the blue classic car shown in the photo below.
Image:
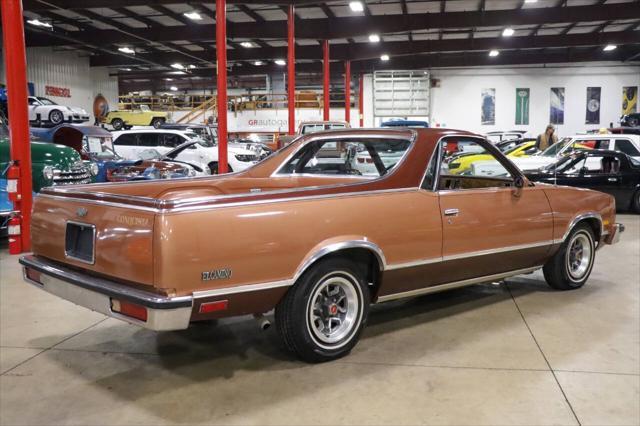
(95, 145)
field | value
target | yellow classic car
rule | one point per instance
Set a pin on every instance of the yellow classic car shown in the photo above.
(462, 162)
(140, 116)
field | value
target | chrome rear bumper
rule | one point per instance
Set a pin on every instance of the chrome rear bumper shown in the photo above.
(163, 313)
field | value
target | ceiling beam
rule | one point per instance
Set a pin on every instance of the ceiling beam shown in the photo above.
(345, 27)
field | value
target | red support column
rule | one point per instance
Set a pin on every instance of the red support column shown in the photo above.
(347, 91)
(291, 69)
(16, 75)
(360, 99)
(325, 79)
(221, 67)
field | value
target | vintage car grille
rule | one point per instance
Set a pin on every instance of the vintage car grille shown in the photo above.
(75, 175)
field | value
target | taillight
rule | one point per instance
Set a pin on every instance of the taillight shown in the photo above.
(219, 305)
(129, 309)
(360, 160)
(33, 275)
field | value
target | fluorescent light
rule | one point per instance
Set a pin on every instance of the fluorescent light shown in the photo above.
(246, 44)
(39, 23)
(258, 63)
(374, 38)
(127, 50)
(125, 69)
(280, 62)
(177, 72)
(356, 6)
(173, 88)
(610, 47)
(531, 1)
(177, 66)
(384, 57)
(192, 67)
(194, 16)
(168, 79)
(494, 53)
(507, 32)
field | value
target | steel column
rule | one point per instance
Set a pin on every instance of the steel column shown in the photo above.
(20, 144)
(347, 91)
(326, 74)
(291, 69)
(221, 67)
(360, 99)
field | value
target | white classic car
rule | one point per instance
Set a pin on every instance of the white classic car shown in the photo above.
(45, 111)
(629, 144)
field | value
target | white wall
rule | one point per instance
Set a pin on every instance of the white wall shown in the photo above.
(456, 103)
(46, 67)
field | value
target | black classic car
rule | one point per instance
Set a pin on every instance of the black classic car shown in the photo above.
(612, 172)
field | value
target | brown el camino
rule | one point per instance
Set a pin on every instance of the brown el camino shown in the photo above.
(320, 230)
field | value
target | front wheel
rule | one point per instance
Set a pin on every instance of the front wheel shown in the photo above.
(56, 117)
(571, 266)
(117, 123)
(323, 314)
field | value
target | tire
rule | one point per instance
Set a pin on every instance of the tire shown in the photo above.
(117, 123)
(157, 122)
(571, 266)
(635, 203)
(332, 293)
(56, 117)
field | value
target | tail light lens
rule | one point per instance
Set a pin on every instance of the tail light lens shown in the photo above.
(129, 309)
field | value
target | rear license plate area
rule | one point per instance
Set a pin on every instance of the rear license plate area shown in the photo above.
(79, 242)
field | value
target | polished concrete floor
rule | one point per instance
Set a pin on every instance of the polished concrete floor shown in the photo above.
(513, 353)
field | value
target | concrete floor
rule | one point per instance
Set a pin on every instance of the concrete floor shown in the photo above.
(515, 353)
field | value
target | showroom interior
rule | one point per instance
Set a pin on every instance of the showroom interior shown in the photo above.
(299, 212)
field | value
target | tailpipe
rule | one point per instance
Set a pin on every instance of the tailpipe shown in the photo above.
(263, 322)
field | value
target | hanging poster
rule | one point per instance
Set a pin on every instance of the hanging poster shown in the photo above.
(593, 105)
(488, 116)
(629, 99)
(556, 115)
(522, 106)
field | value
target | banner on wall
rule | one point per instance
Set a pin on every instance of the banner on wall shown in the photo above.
(522, 106)
(593, 105)
(629, 99)
(556, 114)
(488, 114)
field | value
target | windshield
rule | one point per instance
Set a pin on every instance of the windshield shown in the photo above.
(193, 136)
(149, 154)
(46, 101)
(202, 133)
(344, 157)
(99, 148)
(554, 149)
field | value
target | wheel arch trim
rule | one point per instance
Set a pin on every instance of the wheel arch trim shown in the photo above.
(581, 217)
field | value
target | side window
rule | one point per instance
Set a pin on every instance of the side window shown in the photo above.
(466, 164)
(432, 169)
(149, 139)
(625, 145)
(126, 139)
(171, 140)
(32, 101)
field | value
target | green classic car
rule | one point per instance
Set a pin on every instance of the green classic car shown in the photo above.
(52, 164)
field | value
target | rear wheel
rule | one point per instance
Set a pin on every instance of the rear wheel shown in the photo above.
(56, 117)
(157, 122)
(635, 203)
(117, 123)
(571, 266)
(323, 314)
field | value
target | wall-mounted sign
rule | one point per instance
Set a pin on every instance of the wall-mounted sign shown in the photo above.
(629, 99)
(593, 105)
(488, 112)
(522, 106)
(60, 92)
(556, 113)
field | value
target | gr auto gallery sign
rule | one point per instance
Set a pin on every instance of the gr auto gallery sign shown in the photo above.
(60, 92)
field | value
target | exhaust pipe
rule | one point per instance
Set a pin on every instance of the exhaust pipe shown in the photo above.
(263, 322)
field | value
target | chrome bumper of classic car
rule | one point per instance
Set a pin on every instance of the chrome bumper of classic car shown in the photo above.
(614, 236)
(145, 309)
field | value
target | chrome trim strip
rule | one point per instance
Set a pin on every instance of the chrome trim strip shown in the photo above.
(455, 284)
(242, 289)
(364, 244)
(413, 263)
(99, 203)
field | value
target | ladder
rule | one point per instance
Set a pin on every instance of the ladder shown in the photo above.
(198, 111)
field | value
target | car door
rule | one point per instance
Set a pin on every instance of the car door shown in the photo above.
(152, 140)
(602, 172)
(489, 225)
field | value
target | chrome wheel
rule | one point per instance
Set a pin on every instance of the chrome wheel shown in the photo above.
(334, 309)
(579, 256)
(56, 117)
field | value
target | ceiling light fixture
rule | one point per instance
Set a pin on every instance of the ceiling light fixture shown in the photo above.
(280, 62)
(125, 69)
(39, 23)
(507, 32)
(177, 66)
(246, 44)
(384, 57)
(610, 47)
(194, 16)
(192, 67)
(258, 63)
(531, 1)
(126, 49)
(168, 79)
(177, 73)
(356, 6)
(174, 88)
(494, 53)
(374, 38)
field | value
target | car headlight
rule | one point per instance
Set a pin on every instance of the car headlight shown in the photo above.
(47, 172)
(94, 169)
(245, 157)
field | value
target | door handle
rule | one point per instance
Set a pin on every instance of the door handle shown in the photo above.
(451, 212)
(612, 179)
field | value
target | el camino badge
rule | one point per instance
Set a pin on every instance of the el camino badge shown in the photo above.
(217, 274)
